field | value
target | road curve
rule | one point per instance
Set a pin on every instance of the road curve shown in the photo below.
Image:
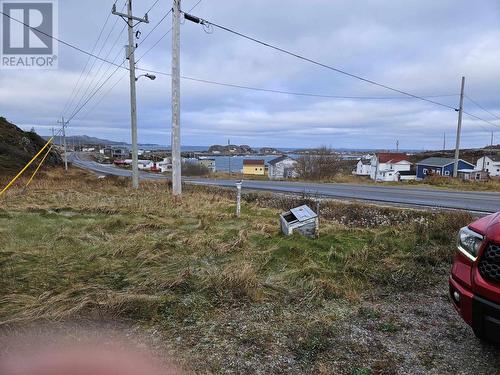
(481, 202)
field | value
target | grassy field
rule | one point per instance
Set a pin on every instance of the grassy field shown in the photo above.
(232, 295)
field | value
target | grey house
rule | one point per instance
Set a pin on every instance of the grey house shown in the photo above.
(282, 167)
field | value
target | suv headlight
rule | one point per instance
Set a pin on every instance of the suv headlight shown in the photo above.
(469, 242)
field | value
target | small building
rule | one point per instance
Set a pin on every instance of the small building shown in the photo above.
(490, 164)
(208, 163)
(254, 167)
(146, 164)
(363, 167)
(436, 166)
(301, 219)
(282, 167)
(407, 175)
(384, 165)
(115, 152)
(388, 175)
(473, 175)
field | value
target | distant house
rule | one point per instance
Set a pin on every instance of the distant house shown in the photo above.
(282, 167)
(254, 167)
(363, 167)
(440, 166)
(384, 166)
(165, 165)
(490, 164)
(115, 152)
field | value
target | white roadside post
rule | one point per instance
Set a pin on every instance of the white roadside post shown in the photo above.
(238, 198)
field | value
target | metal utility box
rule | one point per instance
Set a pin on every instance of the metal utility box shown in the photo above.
(301, 219)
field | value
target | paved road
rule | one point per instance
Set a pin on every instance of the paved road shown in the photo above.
(483, 202)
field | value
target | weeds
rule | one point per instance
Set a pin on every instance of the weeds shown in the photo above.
(78, 247)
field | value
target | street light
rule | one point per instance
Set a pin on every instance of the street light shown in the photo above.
(147, 75)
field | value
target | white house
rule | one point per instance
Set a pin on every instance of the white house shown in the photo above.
(490, 164)
(282, 167)
(141, 164)
(363, 167)
(385, 166)
(165, 165)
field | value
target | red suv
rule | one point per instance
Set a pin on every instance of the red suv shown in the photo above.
(475, 277)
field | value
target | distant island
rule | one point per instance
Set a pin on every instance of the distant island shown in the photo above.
(242, 150)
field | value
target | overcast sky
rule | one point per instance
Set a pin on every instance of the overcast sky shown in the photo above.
(420, 46)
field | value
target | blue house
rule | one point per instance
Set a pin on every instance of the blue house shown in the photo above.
(440, 166)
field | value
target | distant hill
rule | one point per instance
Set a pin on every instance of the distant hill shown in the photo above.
(17, 147)
(86, 140)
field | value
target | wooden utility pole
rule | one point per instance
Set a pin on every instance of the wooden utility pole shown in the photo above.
(459, 129)
(444, 141)
(229, 153)
(176, 94)
(129, 18)
(64, 123)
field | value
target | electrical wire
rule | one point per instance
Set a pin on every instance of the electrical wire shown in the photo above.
(97, 77)
(118, 66)
(152, 6)
(86, 64)
(164, 35)
(301, 57)
(480, 106)
(89, 84)
(155, 27)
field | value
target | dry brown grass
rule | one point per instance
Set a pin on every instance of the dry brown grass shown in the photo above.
(77, 247)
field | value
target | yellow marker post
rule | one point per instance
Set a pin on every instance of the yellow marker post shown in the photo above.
(39, 165)
(25, 167)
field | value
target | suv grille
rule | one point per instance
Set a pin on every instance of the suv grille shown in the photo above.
(489, 266)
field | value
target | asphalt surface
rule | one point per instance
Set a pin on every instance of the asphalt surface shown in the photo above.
(480, 202)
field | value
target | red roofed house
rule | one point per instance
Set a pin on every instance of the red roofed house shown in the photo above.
(385, 166)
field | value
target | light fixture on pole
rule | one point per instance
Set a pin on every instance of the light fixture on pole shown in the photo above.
(147, 75)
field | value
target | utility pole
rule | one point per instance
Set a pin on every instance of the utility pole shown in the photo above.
(229, 153)
(397, 145)
(64, 123)
(459, 129)
(444, 141)
(238, 198)
(129, 18)
(176, 96)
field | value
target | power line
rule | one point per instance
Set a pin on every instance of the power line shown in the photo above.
(481, 119)
(58, 40)
(155, 27)
(480, 106)
(118, 66)
(86, 64)
(152, 6)
(164, 35)
(102, 97)
(97, 77)
(301, 57)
